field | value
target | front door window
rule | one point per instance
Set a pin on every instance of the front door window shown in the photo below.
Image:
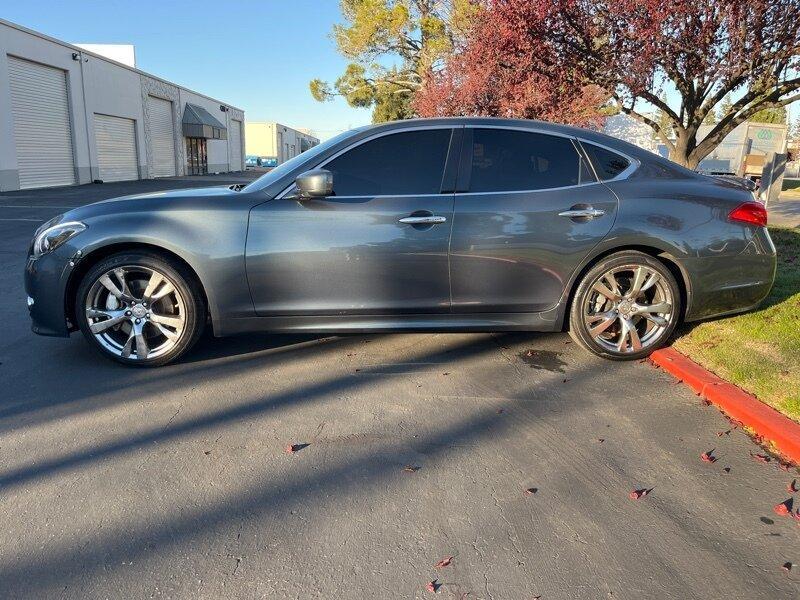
(196, 156)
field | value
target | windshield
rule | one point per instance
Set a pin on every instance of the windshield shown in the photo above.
(284, 168)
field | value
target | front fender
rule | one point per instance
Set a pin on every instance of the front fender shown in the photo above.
(211, 242)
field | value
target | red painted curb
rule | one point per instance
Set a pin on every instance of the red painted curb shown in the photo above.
(738, 404)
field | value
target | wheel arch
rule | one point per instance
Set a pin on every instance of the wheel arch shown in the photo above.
(98, 254)
(666, 258)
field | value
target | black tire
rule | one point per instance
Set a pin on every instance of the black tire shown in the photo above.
(187, 296)
(586, 306)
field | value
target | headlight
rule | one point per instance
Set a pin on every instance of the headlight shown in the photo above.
(50, 238)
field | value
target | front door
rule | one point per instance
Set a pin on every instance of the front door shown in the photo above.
(377, 246)
(196, 156)
(514, 242)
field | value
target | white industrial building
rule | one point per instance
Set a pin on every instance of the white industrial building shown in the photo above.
(271, 140)
(71, 116)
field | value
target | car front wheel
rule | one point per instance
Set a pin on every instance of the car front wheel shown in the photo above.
(140, 309)
(625, 307)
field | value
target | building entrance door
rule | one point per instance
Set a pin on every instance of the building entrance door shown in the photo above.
(196, 156)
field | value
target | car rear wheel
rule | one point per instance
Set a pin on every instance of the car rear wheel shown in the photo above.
(140, 309)
(625, 307)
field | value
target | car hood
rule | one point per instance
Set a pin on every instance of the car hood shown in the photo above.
(183, 199)
(175, 194)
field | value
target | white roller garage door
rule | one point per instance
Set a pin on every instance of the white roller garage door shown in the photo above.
(159, 114)
(116, 148)
(235, 140)
(42, 133)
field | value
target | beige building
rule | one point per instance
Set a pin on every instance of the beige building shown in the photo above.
(73, 116)
(268, 139)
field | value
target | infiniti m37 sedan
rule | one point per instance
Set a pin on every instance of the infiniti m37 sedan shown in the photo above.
(466, 224)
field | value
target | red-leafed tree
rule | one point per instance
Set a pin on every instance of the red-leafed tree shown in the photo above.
(541, 58)
(502, 70)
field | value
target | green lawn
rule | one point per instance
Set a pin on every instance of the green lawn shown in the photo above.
(759, 351)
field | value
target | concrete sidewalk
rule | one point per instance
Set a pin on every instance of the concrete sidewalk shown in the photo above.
(786, 211)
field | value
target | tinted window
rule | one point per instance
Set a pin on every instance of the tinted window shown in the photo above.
(607, 164)
(507, 160)
(400, 163)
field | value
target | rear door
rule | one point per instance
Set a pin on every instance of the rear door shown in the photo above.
(528, 210)
(377, 246)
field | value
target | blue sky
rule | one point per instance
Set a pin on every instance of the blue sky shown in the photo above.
(257, 55)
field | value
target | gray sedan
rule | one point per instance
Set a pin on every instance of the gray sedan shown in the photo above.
(460, 224)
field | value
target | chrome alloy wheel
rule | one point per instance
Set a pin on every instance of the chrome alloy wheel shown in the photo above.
(135, 312)
(628, 308)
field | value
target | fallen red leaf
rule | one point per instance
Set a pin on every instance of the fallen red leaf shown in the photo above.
(792, 487)
(784, 466)
(637, 494)
(783, 509)
(787, 566)
(293, 448)
(706, 402)
(708, 457)
(445, 562)
(432, 586)
(530, 491)
(762, 458)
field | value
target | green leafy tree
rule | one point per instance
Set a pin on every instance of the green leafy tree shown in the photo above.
(725, 107)
(394, 45)
(770, 115)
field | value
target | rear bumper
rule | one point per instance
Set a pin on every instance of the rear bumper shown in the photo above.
(722, 285)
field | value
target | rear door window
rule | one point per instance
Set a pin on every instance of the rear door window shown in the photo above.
(406, 163)
(506, 160)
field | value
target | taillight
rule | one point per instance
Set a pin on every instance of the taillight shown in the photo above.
(753, 213)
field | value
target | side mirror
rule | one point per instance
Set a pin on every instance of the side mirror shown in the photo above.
(317, 183)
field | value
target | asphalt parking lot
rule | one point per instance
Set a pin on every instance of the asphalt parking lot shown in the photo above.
(175, 483)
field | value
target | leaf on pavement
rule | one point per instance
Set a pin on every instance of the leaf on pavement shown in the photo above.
(294, 448)
(530, 491)
(433, 586)
(445, 562)
(783, 509)
(787, 566)
(709, 456)
(792, 487)
(411, 469)
(762, 458)
(638, 494)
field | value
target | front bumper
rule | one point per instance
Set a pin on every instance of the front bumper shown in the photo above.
(46, 281)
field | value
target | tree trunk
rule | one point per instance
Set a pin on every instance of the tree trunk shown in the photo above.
(684, 151)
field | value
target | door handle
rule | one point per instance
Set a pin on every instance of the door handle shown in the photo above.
(423, 220)
(585, 213)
